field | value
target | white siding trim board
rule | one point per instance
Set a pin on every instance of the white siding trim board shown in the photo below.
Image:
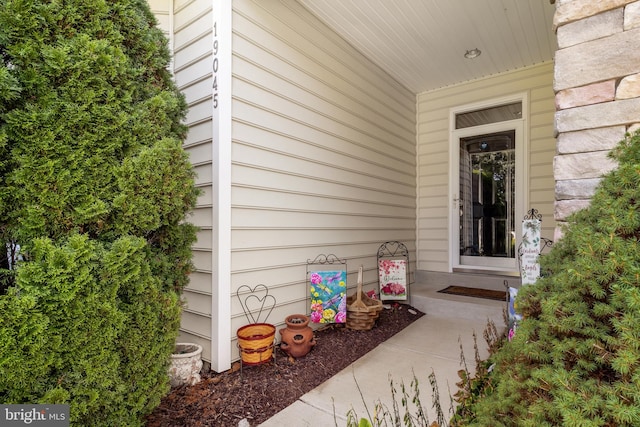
(221, 65)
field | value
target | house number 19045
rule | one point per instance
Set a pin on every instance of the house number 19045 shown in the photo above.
(215, 65)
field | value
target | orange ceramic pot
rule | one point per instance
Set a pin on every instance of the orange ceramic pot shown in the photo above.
(297, 337)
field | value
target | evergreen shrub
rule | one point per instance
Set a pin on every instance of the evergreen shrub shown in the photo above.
(94, 191)
(575, 358)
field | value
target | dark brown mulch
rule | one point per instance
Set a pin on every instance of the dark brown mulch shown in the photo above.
(261, 391)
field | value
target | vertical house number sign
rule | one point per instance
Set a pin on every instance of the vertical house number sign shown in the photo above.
(215, 64)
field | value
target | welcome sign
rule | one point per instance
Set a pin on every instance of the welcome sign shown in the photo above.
(393, 279)
(530, 251)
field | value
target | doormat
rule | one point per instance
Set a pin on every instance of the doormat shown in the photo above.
(475, 292)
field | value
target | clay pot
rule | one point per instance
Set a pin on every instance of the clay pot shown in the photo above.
(297, 337)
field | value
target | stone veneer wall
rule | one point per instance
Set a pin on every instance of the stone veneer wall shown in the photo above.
(597, 85)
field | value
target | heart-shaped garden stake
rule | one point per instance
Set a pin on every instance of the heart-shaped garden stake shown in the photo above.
(257, 300)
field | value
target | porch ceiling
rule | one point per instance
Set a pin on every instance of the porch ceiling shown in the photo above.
(422, 42)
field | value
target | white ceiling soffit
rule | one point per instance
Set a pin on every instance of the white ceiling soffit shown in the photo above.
(422, 42)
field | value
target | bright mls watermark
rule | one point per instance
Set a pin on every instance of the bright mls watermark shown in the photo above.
(35, 415)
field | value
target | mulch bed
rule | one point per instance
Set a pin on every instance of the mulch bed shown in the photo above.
(224, 399)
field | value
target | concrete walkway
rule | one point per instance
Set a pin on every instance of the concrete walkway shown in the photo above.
(430, 344)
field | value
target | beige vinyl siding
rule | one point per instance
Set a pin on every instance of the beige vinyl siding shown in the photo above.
(433, 153)
(189, 27)
(323, 155)
(162, 11)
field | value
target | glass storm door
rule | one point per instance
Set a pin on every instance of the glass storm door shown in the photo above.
(487, 195)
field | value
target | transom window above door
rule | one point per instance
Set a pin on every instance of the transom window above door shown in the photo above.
(485, 116)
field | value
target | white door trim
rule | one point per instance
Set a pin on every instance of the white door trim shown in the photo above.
(221, 122)
(522, 171)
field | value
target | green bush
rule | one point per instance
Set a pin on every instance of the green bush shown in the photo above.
(575, 358)
(94, 188)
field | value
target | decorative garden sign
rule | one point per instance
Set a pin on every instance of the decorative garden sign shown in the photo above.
(530, 251)
(393, 279)
(328, 296)
(529, 259)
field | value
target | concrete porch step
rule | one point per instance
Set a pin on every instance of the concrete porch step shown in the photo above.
(425, 297)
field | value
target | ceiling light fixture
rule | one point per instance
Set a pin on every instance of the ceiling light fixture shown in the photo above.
(473, 53)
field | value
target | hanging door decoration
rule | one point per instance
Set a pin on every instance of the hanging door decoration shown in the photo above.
(393, 271)
(327, 279)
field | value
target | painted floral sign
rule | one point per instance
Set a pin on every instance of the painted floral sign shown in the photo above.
(393, 279)
(328, 296)
(529, 268)
(530, 251)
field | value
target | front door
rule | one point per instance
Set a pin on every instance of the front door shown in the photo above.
(487, 195)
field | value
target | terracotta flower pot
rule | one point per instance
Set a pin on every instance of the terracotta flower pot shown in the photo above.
(297, 337)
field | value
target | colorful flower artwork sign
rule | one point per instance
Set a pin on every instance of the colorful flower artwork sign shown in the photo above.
(393, 279)
(328, 296)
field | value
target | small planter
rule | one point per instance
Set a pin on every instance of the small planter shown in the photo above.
(255, 342)
(297, 337)
(186, 362)
(362, 311)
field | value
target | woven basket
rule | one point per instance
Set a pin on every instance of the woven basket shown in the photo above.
(362, 311)
(255, 342)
